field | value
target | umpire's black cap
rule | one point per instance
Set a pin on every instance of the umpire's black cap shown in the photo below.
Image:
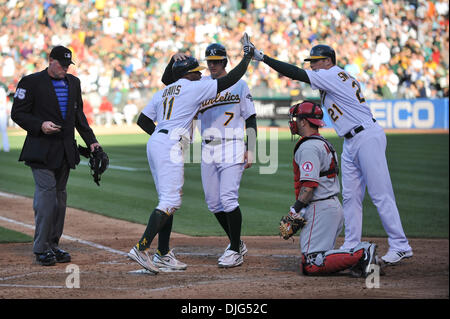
(62, 54)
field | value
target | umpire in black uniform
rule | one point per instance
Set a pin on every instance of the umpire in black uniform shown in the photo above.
(48, 105)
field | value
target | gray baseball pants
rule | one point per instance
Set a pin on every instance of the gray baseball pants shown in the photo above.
(49, 206)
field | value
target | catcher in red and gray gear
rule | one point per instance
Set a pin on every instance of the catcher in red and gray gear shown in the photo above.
(316, 193)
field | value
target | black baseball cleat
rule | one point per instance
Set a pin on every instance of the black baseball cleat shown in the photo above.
(370, 259)
(46, 259)
(61, 256)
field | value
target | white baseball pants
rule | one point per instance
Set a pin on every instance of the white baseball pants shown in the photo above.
(165, 157)
(221, 169)
(363, 163)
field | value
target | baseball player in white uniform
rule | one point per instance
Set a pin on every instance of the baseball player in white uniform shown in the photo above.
(224, 153)
(316, 189)
(363, 158)
(4, 119)
(173, 108)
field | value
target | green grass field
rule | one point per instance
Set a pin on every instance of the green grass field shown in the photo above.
(11, 236)
(418, 165)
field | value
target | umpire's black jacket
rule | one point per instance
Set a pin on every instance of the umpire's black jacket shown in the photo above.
(35, 102)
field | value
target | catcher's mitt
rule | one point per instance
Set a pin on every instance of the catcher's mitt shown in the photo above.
(291, 224)
(98, 161)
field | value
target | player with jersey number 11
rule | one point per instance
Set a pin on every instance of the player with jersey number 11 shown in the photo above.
(173, 108)
(225, 154)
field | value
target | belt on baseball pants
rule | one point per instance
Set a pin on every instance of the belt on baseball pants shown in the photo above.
(356, 130)
(316, 200)
(218, 141)
(164, 131)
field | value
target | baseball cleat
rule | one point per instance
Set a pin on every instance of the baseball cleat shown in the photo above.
(242, 250)
(46, 259)
(393, 257)
(231, 259)
(369, 259)
(61, 255)
(143, 259)
(168, 261)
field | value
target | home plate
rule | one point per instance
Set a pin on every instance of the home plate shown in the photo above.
(171, 270)
(147, 272)
(141, 272)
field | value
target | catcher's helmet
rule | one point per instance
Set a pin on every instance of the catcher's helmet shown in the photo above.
(307, 109)
(322, 51)
(216, 51)
(182, 67)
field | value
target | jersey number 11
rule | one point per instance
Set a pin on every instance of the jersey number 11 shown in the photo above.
(169, 110)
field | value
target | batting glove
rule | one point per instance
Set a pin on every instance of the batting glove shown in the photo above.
(258, 55)
(248, 47)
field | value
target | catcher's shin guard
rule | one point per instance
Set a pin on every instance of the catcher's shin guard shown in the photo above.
(330, 261)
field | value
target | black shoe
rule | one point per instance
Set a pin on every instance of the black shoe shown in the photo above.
(46, 259)
(61, 255)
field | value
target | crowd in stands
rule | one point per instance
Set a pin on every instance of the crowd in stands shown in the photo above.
(396, 48)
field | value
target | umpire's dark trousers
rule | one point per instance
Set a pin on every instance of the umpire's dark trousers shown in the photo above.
(49, 206)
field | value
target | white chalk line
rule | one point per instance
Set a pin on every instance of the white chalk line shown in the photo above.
(120, 168)
(200, 283)
(85, 242)
(79, 240)
(67, 237)
(31, 286)
(115, 251)
(186, 167)
(9, 195)
(23, 275)
(109, 249)
(89, 243)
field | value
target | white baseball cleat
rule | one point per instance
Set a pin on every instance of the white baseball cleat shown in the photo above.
(242, 250)
(143, 259)
(393, 257)
(168, 261)
(231, 259)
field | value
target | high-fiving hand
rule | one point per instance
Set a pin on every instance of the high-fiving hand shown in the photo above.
(249, 48)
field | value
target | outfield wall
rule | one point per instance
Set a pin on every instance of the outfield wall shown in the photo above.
(411, 114)
(390, 114)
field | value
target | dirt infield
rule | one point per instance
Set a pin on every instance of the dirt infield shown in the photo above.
(98, 246)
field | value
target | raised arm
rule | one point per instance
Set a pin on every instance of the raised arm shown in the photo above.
(167, 77)
(286, 69)
(234, 75)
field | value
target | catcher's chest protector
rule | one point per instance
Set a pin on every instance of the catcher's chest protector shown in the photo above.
(330, 173)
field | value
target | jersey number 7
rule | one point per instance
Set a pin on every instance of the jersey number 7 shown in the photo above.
(231, 115)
